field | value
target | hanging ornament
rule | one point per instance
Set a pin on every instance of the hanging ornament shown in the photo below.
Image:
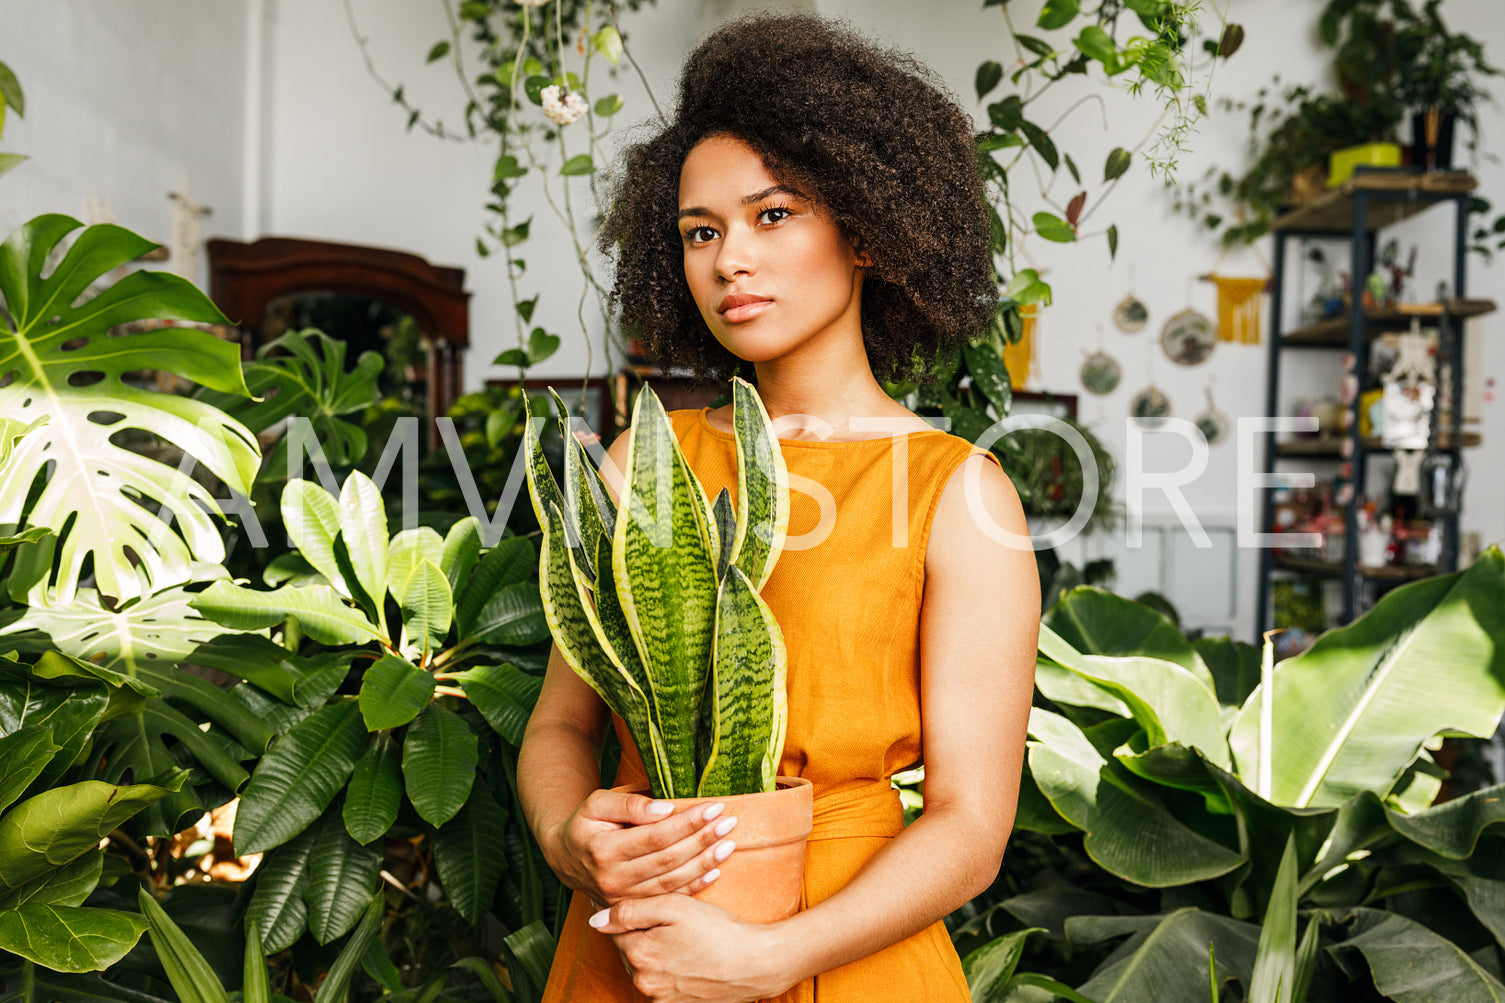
(1130, 315)
(1213, 423)
(1188, 338)
(1241, 305)
(1100, 372)
(1150, 407)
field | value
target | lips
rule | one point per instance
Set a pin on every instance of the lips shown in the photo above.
(742, 306)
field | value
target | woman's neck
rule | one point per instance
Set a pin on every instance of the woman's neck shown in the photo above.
(828, 398)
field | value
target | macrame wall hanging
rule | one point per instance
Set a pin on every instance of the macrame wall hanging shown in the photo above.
(1241, 307)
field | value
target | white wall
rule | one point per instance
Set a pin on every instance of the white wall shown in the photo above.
(121, 100)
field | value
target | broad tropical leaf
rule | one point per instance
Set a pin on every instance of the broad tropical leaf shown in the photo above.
(513, 616)
(319, 610)
(504, 694)
(277, 910)
(460, 550)
(67, 367)
(337, 983)
(470, 853)
(364, 541)
(438, 763)
(1412, 964)
(68, 885)
(1096, 622)
(1166, 958)
(1426, 659)
(298, 777)
(990, 967)
(69, 938)
(393, 691)
(24, 755)
(404, 552)
(510, 562)
(375, 792)
(342, 874)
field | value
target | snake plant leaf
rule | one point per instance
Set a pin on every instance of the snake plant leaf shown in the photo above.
(68, 938)
(61, 824)
(68, 885)
(747, 711)
(725, 517)
(1169, 701)
(1412, 964)
(298, 778)
(508, 563)
(665, 573)
(375, 792)
(363, 535)
(277, 910)
(187, 970)
(459, 551)
(102, 498)
(588, 507)
(426, 610)
(505, 696)
(762, 487)
(319, 610)
(311, 516)
(24, 754)
(438, 763)
(1097, 622)
(1165, 960)
(302, 374)
(543, 490)
(1351, 712)
(342, 874)
(470, 854)
(393, 691)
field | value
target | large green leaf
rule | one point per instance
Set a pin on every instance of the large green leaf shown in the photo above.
(319, 610)
(1412, 964)
(302, 374)
(190, 975)
(1274, 975)
(26, 982)
(336, 985)
(68, 885)
(1351, 712)
(470, 853)
(426, 611)
(989, 968)
(375, 792)
(438, 763)
(100, 496)
(508, 563)
(1165, 960)
(504, 694)
(1234, 666)
(747, 714)
(311, 517)
(24, 755)
(393, 691)
(342, 874)
(298, 777)
(460, 551)
(404, 552)
(69, 938)
(1096, 622)
(513, 616)
(762, 488)
(62, 824)
(277, 909)
(664, 566)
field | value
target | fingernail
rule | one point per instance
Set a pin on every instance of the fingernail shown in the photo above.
(725, 825)
(711, 875)
(712, 811)
(660, 808)
(725, 850)
(600, 919)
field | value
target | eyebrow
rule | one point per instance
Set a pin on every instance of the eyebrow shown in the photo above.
(752, 199)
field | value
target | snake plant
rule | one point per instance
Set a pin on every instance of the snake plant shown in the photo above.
(654, 602)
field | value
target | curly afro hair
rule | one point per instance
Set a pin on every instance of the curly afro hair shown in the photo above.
(870, 135)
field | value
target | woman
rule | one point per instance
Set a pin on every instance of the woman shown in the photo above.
(814, 210)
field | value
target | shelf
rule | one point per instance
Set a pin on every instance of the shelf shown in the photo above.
(1332, 569)
(1333, 448)
(1334, 333)
(1332, 212)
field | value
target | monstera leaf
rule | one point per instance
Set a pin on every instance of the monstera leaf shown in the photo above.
(58, 361)
(303, 374)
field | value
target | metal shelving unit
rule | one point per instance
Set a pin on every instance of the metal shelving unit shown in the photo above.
(1357, 209)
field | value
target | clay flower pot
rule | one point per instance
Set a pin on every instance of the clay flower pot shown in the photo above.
(760, 882)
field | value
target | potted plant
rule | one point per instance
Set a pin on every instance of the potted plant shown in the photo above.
(1438, 82)
(654, 602)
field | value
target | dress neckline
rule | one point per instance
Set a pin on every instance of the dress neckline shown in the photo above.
(705, 423)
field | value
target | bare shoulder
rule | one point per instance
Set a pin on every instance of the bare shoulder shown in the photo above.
(979, 527)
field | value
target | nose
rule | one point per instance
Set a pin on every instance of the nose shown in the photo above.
(734, 255)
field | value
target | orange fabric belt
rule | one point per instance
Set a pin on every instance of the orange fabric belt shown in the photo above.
(869, 808)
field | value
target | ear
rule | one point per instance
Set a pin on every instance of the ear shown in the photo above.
(863, 260)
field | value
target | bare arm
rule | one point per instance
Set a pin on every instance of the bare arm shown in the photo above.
(978, 630)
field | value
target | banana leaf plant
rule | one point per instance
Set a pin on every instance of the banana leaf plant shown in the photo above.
(1285, 827)
(654, 602)
(420, 738)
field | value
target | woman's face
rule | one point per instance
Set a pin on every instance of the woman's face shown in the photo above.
(769, 270)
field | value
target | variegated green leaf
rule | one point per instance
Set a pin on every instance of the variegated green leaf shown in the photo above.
(762, 487)
(746, 715)
(665, 572)
(725, 517)
(588, 507)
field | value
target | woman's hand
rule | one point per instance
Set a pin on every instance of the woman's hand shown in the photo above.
(682, 950)
(618, 846)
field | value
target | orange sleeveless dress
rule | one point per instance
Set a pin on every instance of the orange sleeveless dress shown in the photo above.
(846, 592)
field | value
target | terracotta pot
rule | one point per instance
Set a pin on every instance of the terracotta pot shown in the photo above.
(760, 882)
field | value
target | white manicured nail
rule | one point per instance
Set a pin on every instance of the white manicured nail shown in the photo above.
(711, 875)
(712, 811)
(725, 850)
(725, 825)
(660, 808)
(600, 919)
